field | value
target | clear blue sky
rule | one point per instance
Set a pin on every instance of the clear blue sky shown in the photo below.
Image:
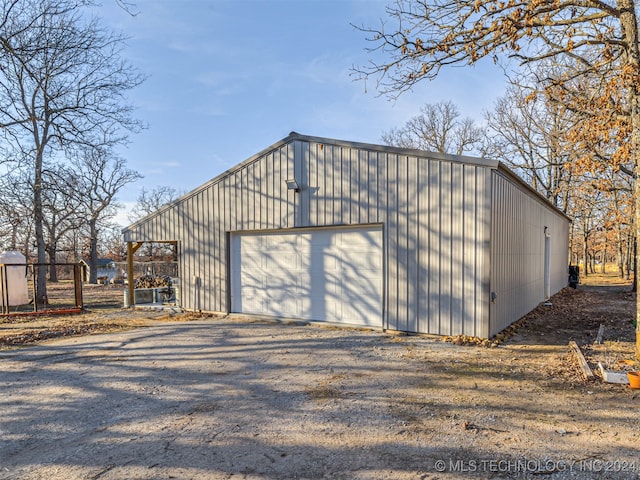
(229, 78)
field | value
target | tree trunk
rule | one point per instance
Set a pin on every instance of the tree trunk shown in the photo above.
(629, 24)
(93, 252)
(620, 253)
(14, 238)
(628, 256)
(53, 271)
(634, 288)
(41, 282)
(586, 258)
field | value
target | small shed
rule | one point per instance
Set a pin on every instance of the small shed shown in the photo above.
(328, 230)
(107, 270)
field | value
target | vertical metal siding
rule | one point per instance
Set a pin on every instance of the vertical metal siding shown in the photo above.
(412, 246)
(518, 251)
(433, 262)
(444, 185)
(391, 242)
(435, 212)
(436, 217)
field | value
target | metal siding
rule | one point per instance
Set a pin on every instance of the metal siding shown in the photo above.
(374, 196)
(301, 164)
(434, 211)
(517, 252)
(290, 195)
(433, 222)
(412, 315)
(393, 260)
(457, 245)
(446, 326)
(403, 279)
(353, 188)
(208, 229)
(224, 225)
(482, 249)
(190, 243)
(244, 192)
(469, 234)
(313, 166)
(383, 218)
(331, 198)
(423, 235)
(343, 210)
(363, 191)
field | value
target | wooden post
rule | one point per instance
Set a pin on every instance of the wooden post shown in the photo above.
(582, 362)
(5, 289)
(132, 247)
(77, 284)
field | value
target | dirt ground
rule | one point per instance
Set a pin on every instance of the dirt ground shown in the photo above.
(177, 396)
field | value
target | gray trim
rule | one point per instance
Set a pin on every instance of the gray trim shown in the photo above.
(502, 168)
(275, 231)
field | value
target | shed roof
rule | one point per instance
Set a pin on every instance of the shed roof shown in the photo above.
(100, 263)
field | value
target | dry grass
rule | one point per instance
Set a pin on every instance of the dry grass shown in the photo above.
(611, 277)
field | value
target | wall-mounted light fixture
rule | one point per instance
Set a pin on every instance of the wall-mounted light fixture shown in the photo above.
(292, 184)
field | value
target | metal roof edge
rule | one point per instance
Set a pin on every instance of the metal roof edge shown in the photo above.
(293, 136)
(516, 178)
(485, 162)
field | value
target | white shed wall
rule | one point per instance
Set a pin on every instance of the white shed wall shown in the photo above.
(436, 218)
(519, 219)
(435, 213)
(437, 223)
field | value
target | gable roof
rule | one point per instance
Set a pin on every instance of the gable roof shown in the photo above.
(101, 263)
(293, 136)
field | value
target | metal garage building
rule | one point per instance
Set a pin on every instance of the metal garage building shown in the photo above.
(337, 231)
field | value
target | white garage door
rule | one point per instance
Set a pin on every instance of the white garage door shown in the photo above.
(324, 274)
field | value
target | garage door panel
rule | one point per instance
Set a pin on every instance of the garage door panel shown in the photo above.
(361, 259)
(319, 261)
(280, 243)
(359, 311)
(365, 288)
(333, 275)
(253, 243)
(287, 306)
(253, 261)
(279, 262)
(254, 281)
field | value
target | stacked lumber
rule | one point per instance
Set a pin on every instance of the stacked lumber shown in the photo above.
(150, 281)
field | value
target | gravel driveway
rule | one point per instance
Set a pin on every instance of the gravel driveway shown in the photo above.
(227, 398)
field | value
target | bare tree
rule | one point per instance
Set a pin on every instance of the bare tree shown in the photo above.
(62, 84)
(112, 244)
(437, 128)
(149, 201)
(529, 135)
(16, 217)
(61, 214)
(595, 42)
(97, 179)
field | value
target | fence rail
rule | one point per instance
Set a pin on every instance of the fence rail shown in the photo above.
(14, 288)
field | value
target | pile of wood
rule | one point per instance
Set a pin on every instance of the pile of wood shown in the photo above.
(150, 281)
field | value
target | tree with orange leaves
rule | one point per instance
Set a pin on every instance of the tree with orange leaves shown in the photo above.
(594, 43)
